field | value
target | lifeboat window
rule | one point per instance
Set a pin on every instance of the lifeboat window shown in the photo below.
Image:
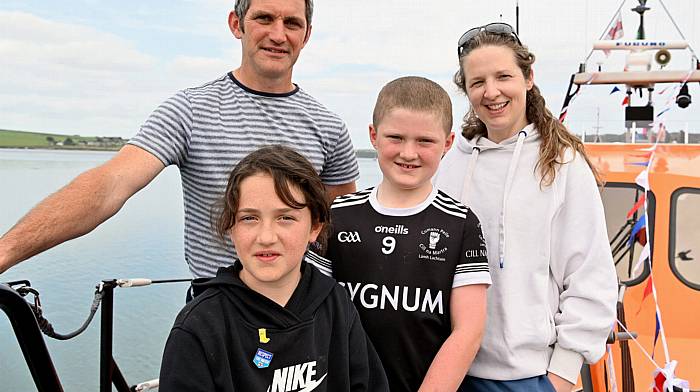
(684, 236)
(618, 200)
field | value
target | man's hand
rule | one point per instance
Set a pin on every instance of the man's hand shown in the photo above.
(559, 384)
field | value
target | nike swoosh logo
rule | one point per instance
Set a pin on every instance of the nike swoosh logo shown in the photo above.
(313, 384)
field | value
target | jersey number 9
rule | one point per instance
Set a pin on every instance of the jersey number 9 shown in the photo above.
(389, 243)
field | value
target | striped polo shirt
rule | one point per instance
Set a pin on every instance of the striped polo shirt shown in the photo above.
(207, 130)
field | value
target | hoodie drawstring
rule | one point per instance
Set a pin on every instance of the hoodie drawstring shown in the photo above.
(506, 191)
(468, 177)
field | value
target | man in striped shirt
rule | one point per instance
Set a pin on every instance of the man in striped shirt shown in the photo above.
(205, 131)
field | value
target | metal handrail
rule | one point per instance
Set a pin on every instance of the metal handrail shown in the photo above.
(29, 338)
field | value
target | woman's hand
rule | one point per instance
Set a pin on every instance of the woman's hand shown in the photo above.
(559, 384)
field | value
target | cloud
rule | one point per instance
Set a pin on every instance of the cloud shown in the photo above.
(31, 40)
(74, 78)
(107, 69)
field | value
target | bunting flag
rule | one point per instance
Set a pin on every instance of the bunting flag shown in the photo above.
(644, 256)
(642, 179)
(665, 379)
(641, 222)
(645, 164)
(615, 90)
(636, 206)
(656, 330)
(648, 289)
(626, 100)
(615, 32)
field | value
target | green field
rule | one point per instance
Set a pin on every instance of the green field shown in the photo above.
(21, 139)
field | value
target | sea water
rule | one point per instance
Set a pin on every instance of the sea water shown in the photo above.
(144, 239)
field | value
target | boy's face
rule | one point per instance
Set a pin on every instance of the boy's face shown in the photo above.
(409, 147)
(270, 236)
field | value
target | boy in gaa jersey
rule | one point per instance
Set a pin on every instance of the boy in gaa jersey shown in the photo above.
(412, 258)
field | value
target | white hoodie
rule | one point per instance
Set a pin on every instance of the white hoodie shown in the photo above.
(552, 302)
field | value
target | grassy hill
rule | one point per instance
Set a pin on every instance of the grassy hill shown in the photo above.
(21, 139)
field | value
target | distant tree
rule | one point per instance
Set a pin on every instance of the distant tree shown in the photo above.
(68, 142)
(51, 140)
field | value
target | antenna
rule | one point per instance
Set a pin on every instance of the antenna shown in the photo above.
(517, 18)
(641, 9)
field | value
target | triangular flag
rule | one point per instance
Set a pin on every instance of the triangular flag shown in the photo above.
(639, 163)
(643, 179)
(626, 101)
(641, 222)
(615, 90)
(647, 291)
(659, 382)
(646, 252)
(665, 379)
(636, 206)
(656, 334)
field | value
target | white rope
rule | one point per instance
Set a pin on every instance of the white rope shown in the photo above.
(638, 344)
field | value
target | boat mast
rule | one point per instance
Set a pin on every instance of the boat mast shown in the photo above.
(597, 127)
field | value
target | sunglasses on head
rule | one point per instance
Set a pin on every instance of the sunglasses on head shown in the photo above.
(492, 28)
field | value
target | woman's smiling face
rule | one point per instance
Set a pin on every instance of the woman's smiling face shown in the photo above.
(497, 89)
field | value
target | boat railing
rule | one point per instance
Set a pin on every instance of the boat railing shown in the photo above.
(29, 337)
(28, 324)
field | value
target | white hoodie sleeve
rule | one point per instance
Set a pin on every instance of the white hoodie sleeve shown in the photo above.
(582, 266)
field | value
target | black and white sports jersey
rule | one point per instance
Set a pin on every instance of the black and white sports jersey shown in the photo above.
(399, 266)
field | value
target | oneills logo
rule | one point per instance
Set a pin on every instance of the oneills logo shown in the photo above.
(397, 229)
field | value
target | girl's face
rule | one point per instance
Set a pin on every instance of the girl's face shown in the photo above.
(270, 237)
(496, 89)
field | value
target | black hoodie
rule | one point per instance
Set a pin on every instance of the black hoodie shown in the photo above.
(219, 341)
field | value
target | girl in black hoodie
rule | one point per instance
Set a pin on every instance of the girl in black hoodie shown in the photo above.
(271, 322)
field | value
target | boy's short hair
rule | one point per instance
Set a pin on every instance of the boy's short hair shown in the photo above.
(414, 93)
(287, 168)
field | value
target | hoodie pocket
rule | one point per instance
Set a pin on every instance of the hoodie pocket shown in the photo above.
(534, 331)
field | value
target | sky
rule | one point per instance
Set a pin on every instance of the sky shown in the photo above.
(100, 67)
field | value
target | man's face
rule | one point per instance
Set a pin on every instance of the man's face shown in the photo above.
(272, 35)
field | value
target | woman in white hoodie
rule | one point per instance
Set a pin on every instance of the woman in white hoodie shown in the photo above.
(552, 302)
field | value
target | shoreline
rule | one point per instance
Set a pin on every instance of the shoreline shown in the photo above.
(360, 153)
(62, 148)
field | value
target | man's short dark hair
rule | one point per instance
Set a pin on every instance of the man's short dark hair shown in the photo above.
(242, 6)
